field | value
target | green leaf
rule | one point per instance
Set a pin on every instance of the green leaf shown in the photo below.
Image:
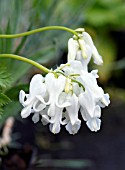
(3, 99)
(4, 78)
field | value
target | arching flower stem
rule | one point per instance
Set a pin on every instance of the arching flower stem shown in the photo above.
(26, 60)
(37, 31)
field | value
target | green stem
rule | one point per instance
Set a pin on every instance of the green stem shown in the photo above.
(38, 30)
(17, 57)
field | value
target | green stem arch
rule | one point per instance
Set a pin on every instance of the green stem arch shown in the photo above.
(37, 31)
(26, 60)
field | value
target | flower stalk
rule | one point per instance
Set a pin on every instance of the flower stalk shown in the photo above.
(37, 31)
(26, 60)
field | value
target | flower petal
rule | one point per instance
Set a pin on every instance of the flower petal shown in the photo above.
(51, 110)
(88, 40)
(35, 117)
(26, 112)
(73, 109)
(87, 102)
(73, 129)
(38, 106)
(45, 119)
(72, 49)
(22, 96)
(37, 86)
(104, 101)
(97, 111)
(54, 88)
(84, 114)
(94, 124)
(56, 121)
(84, 61)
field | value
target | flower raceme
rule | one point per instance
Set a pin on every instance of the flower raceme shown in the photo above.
(59, 97)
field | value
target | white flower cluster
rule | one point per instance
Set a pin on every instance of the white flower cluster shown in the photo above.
(60, 96)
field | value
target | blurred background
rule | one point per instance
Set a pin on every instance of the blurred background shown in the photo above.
(32, 145)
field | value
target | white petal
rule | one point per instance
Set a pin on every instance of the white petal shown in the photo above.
(73, 109)
(97, 111)
(38, 106)
(37, 86)
(54, 128)
(76, 89)
(56, 121)
(88, 40)
(45, 119)
(41, 99)
(94, 73)
(22, 96)
(84, 61)
(97, 58)
(104, 100)
(74, 68)
(94, 124)
(73, 129)
(72, 49)
(35, 117)
(87, 102)
(54, 88)
(51, 110)
(26, 112)
(89, 81)
(63, 100)
(84, 114)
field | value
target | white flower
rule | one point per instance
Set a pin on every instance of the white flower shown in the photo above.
(89, 110)
(56, 120)
(89, 81)
(71, 114)
(88, 40)
(59, 96)
(75, 53)
(55, 87)
(83, 49)
(73, 47)
(30, 101)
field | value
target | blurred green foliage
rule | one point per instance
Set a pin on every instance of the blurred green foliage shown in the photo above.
(99, 17)
(108, 14)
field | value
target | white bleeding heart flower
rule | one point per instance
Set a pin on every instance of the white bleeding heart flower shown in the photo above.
(89, 110)
(73, 122)
(83, 49)
(55, 87)
(58, 98)
(73, 47)
(30, 101)
(89, 81)
(88, 40)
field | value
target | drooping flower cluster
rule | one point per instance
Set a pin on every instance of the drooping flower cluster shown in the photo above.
(59, 97)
